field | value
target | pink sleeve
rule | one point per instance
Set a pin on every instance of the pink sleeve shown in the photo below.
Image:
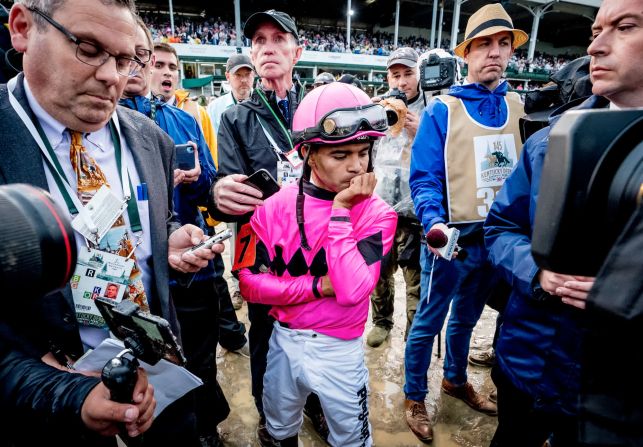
(352, 277)
(266, 288)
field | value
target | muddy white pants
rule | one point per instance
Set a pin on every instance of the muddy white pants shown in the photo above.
(301, 362)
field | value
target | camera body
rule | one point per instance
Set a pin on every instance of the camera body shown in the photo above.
(396, 93)
(437, 73)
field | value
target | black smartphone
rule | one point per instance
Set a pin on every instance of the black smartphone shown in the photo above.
(150, 337)
(185, 157)
(264, 182)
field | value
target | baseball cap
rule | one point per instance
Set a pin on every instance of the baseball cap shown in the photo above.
(405, 56)
(237, 61)
(324, 78)
(281, 19)
(350, 79)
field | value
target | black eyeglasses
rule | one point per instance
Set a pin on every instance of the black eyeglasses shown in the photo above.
(91, 54)
(143, 55)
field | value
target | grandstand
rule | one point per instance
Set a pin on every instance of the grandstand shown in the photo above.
(205, 36)
(206, 33)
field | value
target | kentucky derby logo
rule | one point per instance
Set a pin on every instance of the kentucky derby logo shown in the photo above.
(495, 159)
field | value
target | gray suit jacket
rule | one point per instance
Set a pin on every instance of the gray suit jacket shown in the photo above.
(153, 151)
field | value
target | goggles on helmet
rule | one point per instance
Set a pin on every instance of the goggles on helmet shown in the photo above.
(340, 124)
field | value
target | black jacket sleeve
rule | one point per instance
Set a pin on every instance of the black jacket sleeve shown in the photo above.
(231, 158)
(39, 401)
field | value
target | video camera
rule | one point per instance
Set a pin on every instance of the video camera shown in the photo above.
(591, 185)
(437, 73)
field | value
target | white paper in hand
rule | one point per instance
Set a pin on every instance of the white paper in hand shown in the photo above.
(170, 381)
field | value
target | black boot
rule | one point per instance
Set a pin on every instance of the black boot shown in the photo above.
(293, 441)
(313, 410)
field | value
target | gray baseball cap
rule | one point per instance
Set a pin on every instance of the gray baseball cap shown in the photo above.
(281, 19)
(404, 56)
(237, 61)
(324, 78)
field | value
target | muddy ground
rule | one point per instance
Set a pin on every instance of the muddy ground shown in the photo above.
(455, 424)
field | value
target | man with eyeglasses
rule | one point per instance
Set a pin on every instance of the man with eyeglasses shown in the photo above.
(63, 132)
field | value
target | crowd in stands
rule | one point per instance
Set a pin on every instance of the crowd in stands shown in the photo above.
(213, 31)
(542, 63)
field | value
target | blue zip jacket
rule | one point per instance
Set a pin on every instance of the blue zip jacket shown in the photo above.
(539, 347)
(182, 127)
(428, 171)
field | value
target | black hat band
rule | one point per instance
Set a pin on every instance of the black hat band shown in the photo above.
(488, 24)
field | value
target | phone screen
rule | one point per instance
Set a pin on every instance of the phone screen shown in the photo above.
(150, 329)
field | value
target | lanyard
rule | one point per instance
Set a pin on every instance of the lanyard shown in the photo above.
(272, 141)
(132, 208)
(281, 125)
(72, 201)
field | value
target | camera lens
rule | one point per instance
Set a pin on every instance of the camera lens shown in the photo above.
(38, 249)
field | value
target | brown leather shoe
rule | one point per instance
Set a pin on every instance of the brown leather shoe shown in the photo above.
(469, 396)
(418, 420)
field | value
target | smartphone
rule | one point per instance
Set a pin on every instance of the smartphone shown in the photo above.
(185, 157)
(264, 182)
(208, 243)
(150, 337)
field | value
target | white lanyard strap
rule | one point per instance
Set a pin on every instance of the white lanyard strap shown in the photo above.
(272, 141)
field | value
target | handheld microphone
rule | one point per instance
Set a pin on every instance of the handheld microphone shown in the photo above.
(445, 242)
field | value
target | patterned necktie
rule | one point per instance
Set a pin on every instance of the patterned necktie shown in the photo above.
(285, 110)
(90, 179)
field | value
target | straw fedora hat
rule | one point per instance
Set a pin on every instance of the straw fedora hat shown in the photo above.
(488, 20)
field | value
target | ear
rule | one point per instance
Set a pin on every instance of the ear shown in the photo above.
(21, 23)
(298, 53)
(304, 150)
(253, 56)
(309, 155)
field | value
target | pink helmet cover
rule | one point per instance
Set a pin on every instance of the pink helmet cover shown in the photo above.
(323, 100)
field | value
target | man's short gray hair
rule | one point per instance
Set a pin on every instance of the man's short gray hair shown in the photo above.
(49, 7)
